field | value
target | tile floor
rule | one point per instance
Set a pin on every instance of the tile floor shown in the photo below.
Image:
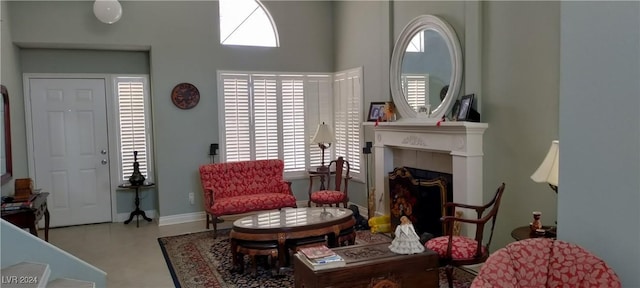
(130, 256)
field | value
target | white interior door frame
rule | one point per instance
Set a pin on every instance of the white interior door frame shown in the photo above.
(112, 128)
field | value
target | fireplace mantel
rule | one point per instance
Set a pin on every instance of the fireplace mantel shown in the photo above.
(461, 140)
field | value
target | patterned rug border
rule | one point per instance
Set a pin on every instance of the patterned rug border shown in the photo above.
(219, 278)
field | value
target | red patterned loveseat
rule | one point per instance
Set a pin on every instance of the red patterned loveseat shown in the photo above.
(246, 186)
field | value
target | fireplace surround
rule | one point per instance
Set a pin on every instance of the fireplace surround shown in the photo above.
(461, 140)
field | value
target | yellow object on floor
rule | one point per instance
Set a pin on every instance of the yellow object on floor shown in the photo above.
(380, 224)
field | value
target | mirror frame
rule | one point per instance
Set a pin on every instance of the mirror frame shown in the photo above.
(7, 136)
(415, 26)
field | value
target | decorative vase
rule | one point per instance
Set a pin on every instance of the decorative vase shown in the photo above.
(537, 224)
(136, 178)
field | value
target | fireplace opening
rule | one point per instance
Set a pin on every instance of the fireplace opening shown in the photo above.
(420, 195)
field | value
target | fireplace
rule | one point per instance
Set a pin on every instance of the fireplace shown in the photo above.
(461, 142)
(420, 195)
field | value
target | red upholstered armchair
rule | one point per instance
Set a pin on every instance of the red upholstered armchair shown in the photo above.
(246, 186)
(544, 262)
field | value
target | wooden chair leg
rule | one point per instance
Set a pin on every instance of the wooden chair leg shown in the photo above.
(449, 271)
(214, 221)
(208, 220)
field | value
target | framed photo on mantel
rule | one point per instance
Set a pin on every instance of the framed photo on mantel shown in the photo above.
(376, 111)
(466, 111)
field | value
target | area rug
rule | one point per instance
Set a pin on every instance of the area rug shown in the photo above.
(199, 260)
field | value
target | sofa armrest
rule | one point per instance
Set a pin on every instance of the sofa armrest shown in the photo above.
(208, 198)
(286, 187)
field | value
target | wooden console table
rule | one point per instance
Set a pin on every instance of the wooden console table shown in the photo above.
(371, 265)
(29, 217)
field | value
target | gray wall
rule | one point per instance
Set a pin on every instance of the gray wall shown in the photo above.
(11, 77)
(599, 191)
(520, 77)
(187, 50)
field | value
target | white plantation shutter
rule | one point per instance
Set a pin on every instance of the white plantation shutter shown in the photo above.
(416, 88)
(347, 118)
(265, 113)
(266, 116)
(293, 123)
(237, 117)
(319, 108)
(132, 124)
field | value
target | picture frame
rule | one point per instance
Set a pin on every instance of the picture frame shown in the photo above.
(376, 111)
(455, 110)
(464, 112)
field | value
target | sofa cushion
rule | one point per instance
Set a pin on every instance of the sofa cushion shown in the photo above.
(255, 202)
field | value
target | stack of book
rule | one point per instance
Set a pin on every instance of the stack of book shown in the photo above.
(17, 205)
(320, 257)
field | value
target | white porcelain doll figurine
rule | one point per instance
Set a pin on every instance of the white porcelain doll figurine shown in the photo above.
(406, 241)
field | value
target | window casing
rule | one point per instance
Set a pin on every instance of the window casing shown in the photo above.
(134, 129)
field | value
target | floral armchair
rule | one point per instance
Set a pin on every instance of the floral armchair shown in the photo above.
(545, 262)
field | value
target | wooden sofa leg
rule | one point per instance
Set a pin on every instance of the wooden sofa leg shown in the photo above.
(214, 221)
(208, 220)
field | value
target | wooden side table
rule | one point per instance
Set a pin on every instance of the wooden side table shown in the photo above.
(524, 232)
(28, 217)
(137, 211)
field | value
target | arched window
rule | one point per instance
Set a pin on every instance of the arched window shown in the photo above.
(247, 23)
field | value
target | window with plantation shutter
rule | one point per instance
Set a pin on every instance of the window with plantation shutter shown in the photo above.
(319, 109)
(347, 87)
(293, 124)
(265, 112)
(237, 117)
(268, 116)
(132, 94)
(416, 89)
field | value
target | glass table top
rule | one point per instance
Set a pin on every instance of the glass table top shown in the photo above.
(293, 217)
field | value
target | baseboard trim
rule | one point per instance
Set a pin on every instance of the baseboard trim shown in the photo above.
(181, 218)
(121, 217)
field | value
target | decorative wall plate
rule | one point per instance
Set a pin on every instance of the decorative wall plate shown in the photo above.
(185, 96)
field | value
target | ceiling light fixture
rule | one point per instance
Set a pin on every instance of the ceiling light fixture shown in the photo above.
(107, 11)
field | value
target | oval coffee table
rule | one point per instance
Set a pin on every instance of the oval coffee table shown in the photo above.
(289, 223)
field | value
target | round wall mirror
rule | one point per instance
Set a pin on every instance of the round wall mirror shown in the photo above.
(426, 68)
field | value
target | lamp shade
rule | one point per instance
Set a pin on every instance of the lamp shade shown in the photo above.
(107, 11)
(323, 135)
(548, 170)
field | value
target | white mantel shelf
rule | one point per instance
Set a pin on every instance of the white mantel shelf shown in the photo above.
(461, 140)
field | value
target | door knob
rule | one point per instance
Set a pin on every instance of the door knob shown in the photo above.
(103, 152)
(104, 161)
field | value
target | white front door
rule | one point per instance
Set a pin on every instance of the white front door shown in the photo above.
(70, 144)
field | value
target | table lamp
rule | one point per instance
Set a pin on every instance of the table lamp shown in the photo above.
(548, 170)
(324, 138)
